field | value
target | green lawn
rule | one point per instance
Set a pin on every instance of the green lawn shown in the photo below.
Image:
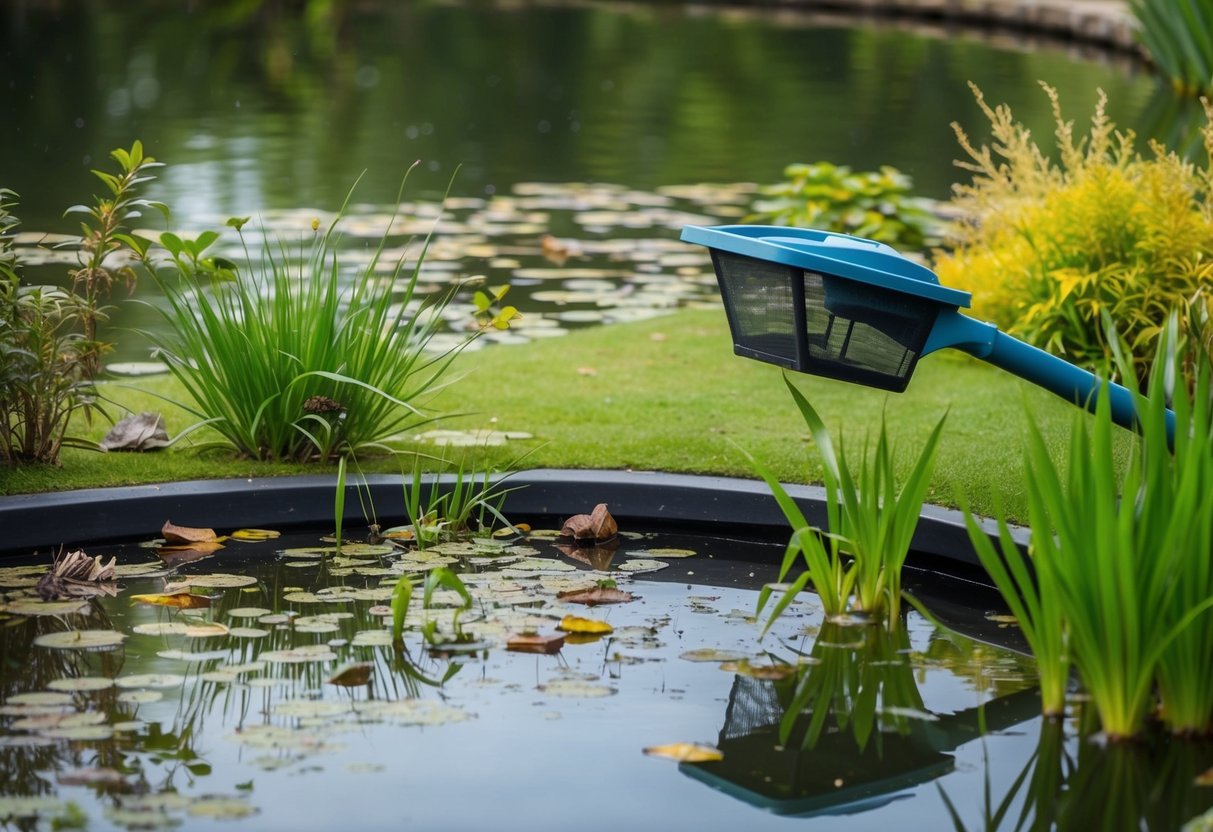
(667, 395)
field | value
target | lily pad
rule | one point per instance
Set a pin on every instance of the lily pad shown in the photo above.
(81, 640)
(150, 681)
(80, 684)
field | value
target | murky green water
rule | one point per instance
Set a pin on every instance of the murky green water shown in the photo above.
(239, 715)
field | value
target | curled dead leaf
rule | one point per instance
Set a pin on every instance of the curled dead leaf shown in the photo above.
(597, 525)
(185, 534)
(75, 575)
(686, 752)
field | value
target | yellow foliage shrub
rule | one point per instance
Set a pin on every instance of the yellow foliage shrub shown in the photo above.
(1047, 246)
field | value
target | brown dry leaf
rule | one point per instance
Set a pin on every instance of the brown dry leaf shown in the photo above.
(185, 534)
(137, 432)
(180, 600)
(1205, 778)
(596, 595)
(585, 626)
(353, 675)
(75, 574)
(597, 525)
(535, 643)
(686, 752)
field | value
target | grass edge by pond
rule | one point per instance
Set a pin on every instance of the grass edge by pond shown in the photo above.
(665, 394)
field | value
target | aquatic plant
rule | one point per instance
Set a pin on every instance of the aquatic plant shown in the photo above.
(1047, 247)
(1176, 34)
(870, 519)
(1037, 607)
(873, 204)
(1121, 563)
(301, 364)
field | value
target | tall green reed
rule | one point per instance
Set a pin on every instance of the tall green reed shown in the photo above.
(1122, 576)
(869, 517)
(296, 362)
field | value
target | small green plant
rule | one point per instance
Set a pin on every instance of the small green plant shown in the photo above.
(105, 236)
(1122, 563)
(303, 364)
(871, 521)
(873, 204)
(459, 501)
(50, 351)
(1047, 247)
(1176, 33)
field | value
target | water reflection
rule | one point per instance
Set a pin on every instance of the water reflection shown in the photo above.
(848, 731)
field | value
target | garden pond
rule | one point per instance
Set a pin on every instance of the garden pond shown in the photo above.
(281, 701)
(574, 138)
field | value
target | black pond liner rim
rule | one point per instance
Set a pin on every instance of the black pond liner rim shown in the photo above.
(31, 522)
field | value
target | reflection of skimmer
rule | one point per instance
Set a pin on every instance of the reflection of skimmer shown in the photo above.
(840, 771)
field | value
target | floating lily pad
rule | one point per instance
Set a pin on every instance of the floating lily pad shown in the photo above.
(81, 640)
(220, 581)
(41, 698)
(222, 808)
(247, 632)
(150, 681)
(36, 606)
(641, 565)
(299, 655)
(81, 733)
(576, 689)
(662, 552)
(160, 628)
(248, 612)
(712, 654)
(140, 697)
(80, 684)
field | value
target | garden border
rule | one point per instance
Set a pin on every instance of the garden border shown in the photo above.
(32, 522)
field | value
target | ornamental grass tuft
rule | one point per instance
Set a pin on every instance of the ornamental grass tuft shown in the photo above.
(298, 362)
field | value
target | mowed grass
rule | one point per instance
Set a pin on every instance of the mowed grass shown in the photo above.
(660, 395)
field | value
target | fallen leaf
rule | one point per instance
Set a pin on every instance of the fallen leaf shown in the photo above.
(177, 555)
(180, 600)
(584, 626)
(137, 432)
(254, 535)
(598, 525)
(75, 574)
(185, 534)
(596, 595)
(1205, 778)
(686, 752)
(535, 643)
(587, 371)
(352, 675)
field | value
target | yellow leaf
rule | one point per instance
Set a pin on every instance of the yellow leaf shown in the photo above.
(180, 600)
(585, 626)
(686, 752)
(254, 535)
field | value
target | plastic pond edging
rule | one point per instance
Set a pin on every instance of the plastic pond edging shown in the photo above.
(717, 505)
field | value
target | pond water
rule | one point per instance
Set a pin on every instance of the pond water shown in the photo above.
(275, 110)
(283, 703)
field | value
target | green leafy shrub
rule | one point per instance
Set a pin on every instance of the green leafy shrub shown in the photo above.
(297, 362)
(49, 348)
(872, 204)
(1178, 35)
(1048, 247)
